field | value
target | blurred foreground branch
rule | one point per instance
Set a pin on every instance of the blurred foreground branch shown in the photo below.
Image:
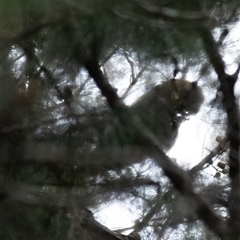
(179, 177)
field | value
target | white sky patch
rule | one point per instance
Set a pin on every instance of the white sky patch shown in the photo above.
(116, 216)
(193, 137)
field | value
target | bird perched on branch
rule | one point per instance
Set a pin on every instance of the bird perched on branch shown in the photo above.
(161, 111)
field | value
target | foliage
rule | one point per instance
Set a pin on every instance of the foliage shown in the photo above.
(71, 138)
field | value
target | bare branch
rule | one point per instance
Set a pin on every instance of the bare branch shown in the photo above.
(163, 17)
(134, 81)
(209, 157)
(227, 83)
(179, 177)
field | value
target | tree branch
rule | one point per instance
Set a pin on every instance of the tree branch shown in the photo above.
(179, 177)
(227, 83)
(209, 157)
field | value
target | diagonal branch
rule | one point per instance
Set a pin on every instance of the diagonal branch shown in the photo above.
(164, 17)
(179, 177)
(134, 77)
(209, 157)
(227, 83)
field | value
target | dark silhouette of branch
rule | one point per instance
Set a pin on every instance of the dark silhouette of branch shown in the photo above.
(164, 17)
(223, 36)
(176, 67)
(63, 198)
(209, 157)
(134, 77)
(179, 177)
(140, 225)
(52, 81)
(227, 83)
(95, 72)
